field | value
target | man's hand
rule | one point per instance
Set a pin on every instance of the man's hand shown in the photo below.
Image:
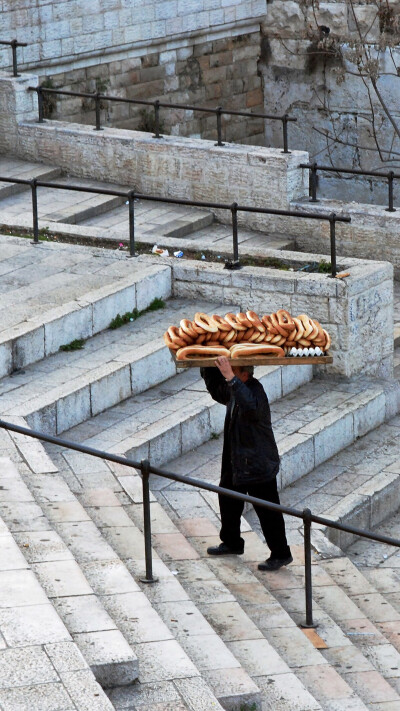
(224, 367)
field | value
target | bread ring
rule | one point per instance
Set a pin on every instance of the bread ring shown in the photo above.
(240, 336)
(255, 321)
(260, 338)
(201, 337)
(314, 332)
(173, 333)
(206, 322)
(249, 332)
(188, 339)
(171, 345)
(304, 342)
(300, 329)
(187, 327)
(242, 318)
(328, 341)
(256, 349)
(201, 352)
(198, 329)
(234, 323)
(231, 336)
(221, 323)
(275, 322)
(266, 320)
(320, 330)
(308, 327)
(284, 319)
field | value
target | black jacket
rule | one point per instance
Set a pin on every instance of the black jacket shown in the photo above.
(250, 450)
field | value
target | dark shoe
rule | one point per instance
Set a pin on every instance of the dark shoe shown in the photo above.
(223, 549)
(275, 563)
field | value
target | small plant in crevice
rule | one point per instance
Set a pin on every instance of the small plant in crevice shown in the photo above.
(147, 121)
(121, 320)
(324, 267)
(75, 345)
(214, 435)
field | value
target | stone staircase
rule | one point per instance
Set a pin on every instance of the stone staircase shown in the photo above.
(210, 634)
(104, 218)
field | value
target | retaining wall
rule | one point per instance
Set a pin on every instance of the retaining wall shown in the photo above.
(357, 311)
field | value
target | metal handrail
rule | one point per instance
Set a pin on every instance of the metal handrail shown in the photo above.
(131, 195)
(219, 111)
(146, 469)
(14, 44)
(314, 167)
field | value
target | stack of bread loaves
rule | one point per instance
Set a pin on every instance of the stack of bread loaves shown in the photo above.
(245, 334)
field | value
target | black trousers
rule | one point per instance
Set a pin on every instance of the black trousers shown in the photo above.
(272, 523)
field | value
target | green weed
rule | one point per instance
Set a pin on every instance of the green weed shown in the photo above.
(75, 345)
(121, 320)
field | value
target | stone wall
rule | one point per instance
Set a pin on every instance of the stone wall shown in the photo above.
(357, 311)
(201, 52)
(186, 168)
(304, 82)
(372, 231)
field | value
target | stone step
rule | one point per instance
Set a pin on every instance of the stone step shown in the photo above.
(152, 220)
(67, 592)
(59, 205)
(67, 388)
(56, 306)
(174, 417)
(79, 561)
(311, 422)
(15, 168)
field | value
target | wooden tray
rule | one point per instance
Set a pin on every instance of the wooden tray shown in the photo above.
(253, 360)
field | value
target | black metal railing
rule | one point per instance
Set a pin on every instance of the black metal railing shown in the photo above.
(390, 176)
(14, 44)
(131, 195)
(219, 111)
(146, 469)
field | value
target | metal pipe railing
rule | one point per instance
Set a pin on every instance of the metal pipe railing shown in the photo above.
(234, 208)
(14, 44)
(146, 469)
(219, 111)
(390, 176)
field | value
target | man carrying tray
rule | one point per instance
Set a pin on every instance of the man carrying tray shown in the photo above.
(250, 460)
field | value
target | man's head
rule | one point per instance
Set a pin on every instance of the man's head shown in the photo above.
(243, 372)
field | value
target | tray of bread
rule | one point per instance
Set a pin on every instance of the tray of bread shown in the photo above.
(248, 339)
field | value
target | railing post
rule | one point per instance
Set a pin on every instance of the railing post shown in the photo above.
(39, 92)
(307, 568)
(235, 263)
(157, 119)
(285, 121)
(390, 177)
(98, 117)
(145, 466)
(35, 212)
(218, 113)
(14, 45)
(332, 228)
(313, 182)
(131, 201)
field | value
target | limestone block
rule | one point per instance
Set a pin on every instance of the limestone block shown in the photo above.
(384, 492)
(105, 309)
(284, 17)
(364, 19)
(152, 369)
(152, 287)
(334, 16)
(5, 358)
(29, 348)
(73, 409)
(297, 457)
(109, 656)
(68, 322)
(369, 414)
(331, 433)
(110, 388)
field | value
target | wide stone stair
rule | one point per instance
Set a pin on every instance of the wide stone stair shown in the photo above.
(84, 215)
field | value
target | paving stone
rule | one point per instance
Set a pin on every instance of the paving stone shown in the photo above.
(258, 657)
(85, 692)
(144, 695)
(197, 695)
(21, 667)
(20, 587)
(230, 621)
(42, 546)
(371, 687)
(42, 697)
(285, 692)
(109, 577)
(65, 657)
(139, 619)
(32, 625)
(83, 613)
(160, 661)
(62, 578)
(109, 657)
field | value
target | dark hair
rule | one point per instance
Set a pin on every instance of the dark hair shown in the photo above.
(247, 369)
